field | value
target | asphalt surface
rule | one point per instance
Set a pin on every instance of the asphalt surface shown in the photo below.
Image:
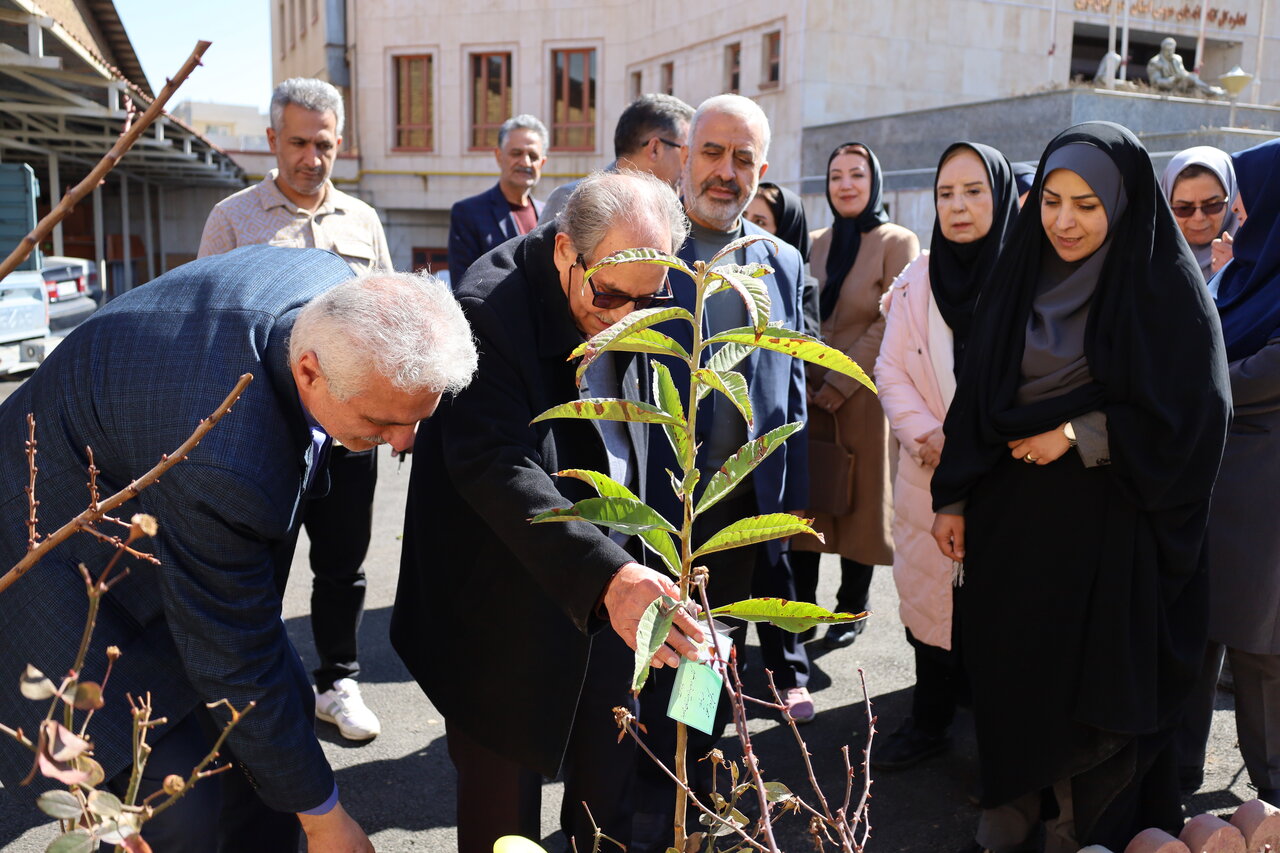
(400, 786)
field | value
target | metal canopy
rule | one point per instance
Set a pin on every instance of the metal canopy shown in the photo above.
(58, 98)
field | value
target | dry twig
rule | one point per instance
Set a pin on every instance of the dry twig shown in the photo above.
(92, 516)
(133, 130)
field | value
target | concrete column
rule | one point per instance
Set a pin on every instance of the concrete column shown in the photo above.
(160, 225)
(55, 195)
(100, 243)
(126, 278)
(147, 233)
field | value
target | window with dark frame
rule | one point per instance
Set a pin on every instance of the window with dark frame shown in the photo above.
(772, 76)
(490, 98)
(637, 84)
(733, 67)
(430, 260)
(668, 78)
(573, 99)
(414, 105)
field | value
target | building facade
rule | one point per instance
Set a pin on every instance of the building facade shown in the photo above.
(427, 83)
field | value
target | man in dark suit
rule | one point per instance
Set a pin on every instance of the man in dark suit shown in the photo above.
(506, 624)
(359, 361)
(723, 162)
(508, 208)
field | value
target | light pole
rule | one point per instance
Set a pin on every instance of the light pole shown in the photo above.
(1234, 82)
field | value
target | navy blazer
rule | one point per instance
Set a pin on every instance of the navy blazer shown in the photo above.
(132, 382)
(775, 381)
(493, 614)
(476, 225)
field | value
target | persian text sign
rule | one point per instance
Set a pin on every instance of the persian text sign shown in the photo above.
(1186, 13)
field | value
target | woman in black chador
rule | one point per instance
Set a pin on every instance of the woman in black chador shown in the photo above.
(1081, 451)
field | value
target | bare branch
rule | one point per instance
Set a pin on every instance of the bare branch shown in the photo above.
(33, 536)
(90, 516)
(133, 130)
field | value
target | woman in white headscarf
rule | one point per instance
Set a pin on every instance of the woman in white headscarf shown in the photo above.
(1200, 185)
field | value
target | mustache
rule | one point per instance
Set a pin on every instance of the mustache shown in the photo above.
(711, 183)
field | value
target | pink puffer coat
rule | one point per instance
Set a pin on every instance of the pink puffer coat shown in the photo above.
(916, 384)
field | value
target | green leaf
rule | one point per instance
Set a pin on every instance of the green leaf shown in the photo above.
(105, 804)
(726, 357)
(742, 463)
(607, 409)
(621, 514)
(741, 243)
(652, 342)
(639, 256)
(757, 528)
(34, 685)
(733, 385)
(591, 349)
(796, 345)
(62, 805)
(754, 294)
(776, 792)
(655, 623)
(668, 400)
(606, 487)
(75, 841)
(660, 543)
(793, 616)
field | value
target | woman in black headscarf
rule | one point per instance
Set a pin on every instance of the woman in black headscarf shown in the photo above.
(929, 312)
(1082, 447)
(1244, 541)
(855, 260)
(779, 211)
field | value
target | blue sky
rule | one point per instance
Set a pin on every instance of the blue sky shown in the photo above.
(237, 67)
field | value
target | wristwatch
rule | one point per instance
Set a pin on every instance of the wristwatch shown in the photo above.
(1070, 433)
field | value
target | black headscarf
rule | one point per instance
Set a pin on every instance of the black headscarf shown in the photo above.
(958, 271)
(1157, 370)
(788, 213)
(846, 233)
(1249, 286)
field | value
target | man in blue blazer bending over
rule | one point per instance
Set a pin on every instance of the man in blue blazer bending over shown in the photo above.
(334, 359)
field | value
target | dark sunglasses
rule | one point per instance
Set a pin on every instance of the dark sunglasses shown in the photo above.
(609, 301)
(1210, 208)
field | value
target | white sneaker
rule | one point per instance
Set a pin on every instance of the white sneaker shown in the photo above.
(342, 706)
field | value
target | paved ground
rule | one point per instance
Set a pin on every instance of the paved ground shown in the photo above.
(400, 786)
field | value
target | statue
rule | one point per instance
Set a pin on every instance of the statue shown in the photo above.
(1166, 72)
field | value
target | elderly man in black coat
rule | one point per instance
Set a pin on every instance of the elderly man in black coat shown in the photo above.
(506, 624)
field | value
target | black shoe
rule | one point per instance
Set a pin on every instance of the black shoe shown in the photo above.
(1190, 778)
(907, 746)
(842, 634)
(1270, 795)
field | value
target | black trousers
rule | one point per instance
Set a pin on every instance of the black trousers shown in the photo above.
(221, 814)
(497, 796)
(938, 687)
(340, 525)
(855, 581)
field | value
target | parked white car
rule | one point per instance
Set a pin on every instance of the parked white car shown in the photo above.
(38, 307)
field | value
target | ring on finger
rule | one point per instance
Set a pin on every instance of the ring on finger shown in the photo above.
(1029, 459)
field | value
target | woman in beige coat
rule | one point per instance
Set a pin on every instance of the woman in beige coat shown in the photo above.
(855, 261)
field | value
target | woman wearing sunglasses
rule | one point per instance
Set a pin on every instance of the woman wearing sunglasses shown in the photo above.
(1200, 185)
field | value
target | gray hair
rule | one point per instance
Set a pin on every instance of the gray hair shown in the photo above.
(648, 116)
(524, 121)
(405, 326)
(603, 200)
(736, 105)
(310, 94)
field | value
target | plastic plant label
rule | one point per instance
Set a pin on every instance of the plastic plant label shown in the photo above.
(696, 694)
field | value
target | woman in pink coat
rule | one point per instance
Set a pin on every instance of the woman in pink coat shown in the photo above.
(929, 310)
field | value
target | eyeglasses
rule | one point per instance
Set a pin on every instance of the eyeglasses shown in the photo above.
(609, 301)
(1210, 208)
(669, 142)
